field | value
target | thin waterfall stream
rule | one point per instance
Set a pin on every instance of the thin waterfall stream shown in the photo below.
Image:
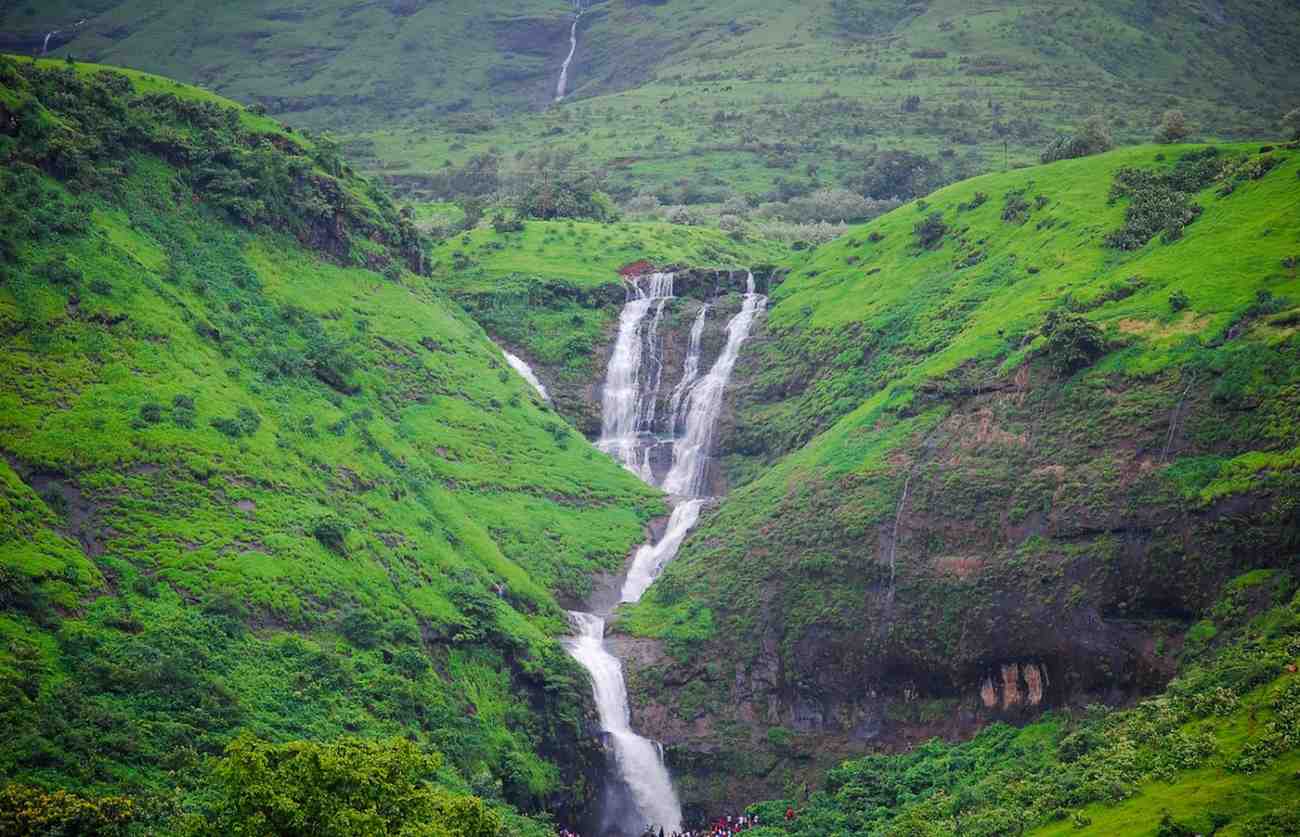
(562, 87)
(632, 383)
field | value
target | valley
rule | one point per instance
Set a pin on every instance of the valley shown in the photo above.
(602, 417)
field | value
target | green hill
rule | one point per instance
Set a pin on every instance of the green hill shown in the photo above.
(700, 102)
(998, 450)
(258, 475)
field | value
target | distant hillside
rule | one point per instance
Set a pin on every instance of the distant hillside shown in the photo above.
(697, 101)
(256, 475)
(998, 451)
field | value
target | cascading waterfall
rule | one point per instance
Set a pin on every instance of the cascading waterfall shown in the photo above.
(623, 404)
(691, 370)
(562, 87)
(628, 414)
(691, 451)
(45, 46)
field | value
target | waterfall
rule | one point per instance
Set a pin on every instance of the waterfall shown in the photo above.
(45, 47)
(628, 414)
(691, 370)
(639, 760)
(691, 451)
(526, 372)
(623, 402)
(563, 86)
(651, 558)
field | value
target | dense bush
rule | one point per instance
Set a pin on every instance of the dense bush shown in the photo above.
(1291, 124)
(830, 204)
(1073, 342)
(897, 175)
(1093, 137)
(347, 788)
(33, 812)
(81, 129)
(929, 232)
(1173, 127)
(1160, 202)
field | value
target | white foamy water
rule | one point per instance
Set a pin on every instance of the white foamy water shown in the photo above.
(693, 449)
(639, 760)
(526, 372)
(623, 400)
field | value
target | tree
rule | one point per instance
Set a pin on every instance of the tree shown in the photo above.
(1173, 127)
(339, 789)
(1291, 123)
(1096, 135)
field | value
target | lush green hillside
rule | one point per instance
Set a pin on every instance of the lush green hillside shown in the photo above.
(258, 474)
(999, 449)
(701, 101)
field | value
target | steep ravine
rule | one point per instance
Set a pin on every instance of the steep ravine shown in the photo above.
(661, 401)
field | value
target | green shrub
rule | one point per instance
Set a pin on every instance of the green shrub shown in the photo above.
(332, 532)
(930, 232)
(1073, 342)
(1093, 137)
(1155, 208)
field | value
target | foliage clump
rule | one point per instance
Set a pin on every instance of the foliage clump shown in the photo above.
(1173, 127)
(347, 788)
(929, 232)
(1073, 342)
(33, 812)
(1160, 202)
(1093, 137)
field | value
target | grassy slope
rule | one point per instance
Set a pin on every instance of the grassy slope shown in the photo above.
(711, 96)
(885, 365)
(170, 584)
(729, 96)
(916, 319)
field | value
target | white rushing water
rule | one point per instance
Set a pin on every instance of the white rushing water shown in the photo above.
(526, 372)
(623, 402)
(691, 451)
(562, 88)
(639, 760)
(652, 557)
(45, 48)
(628, 414)
(691, 369)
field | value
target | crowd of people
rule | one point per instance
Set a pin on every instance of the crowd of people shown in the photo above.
(721, 827)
